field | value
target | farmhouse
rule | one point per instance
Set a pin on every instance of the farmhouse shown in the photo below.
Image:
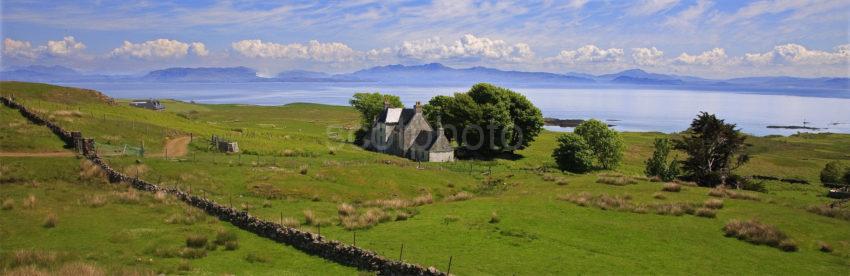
(405, 132)
(149, 104)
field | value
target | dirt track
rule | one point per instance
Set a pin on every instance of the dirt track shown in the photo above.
(176, 147)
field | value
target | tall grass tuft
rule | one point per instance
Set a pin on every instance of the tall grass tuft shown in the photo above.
(756, 232)
(30, 202)
(95, 201)
(830, 211)
(50, 221)
(460, 196)
(290, 222)
(705, 212)
(8, 204)
(494, 217)
(671, 187)
(310, 217)
(713, 203)
(78, 268)
(346, 209)
(223, 236)
(28, 257)
(196, 241)
(616, 180)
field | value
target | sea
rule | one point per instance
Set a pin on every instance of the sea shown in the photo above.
(626, 109)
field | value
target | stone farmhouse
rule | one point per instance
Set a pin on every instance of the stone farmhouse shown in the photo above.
(149, 104)
(405, 132)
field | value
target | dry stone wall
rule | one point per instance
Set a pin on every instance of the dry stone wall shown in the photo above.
(310, 243)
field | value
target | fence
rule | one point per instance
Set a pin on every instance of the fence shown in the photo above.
(310, 243)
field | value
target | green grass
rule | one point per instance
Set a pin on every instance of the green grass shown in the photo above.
(536, 233)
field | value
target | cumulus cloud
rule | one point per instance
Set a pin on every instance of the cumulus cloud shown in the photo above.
(67, 46)
(159, 48)
(19, 48)
(199, 49)
(315, 50)
(468, 47)
(647, 56)
(716, 56)
(799, 55)
(588, 54)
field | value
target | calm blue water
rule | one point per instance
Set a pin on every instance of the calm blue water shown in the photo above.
(628, 109)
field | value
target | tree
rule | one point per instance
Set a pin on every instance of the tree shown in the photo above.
(834, 174)
(606, 144)
(714, 150)
(487, 119)
(573, 154)
(370, 105)
(657, 165)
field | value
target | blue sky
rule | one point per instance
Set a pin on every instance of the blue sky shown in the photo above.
(699, 37)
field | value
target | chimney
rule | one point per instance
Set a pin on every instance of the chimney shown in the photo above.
(386, 104)
(418, 107)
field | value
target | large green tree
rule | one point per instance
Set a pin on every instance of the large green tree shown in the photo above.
(487, 119)
(370, 105)
(607, 145)
(833, 174)
(714, 150)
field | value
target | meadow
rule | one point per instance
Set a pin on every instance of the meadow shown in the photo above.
(298, 166)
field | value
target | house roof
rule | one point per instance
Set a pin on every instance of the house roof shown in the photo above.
(395, 115)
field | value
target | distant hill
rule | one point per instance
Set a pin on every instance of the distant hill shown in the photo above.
(437, 74)
(203, 74)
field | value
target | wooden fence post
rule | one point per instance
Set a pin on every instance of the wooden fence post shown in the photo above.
(449, 270)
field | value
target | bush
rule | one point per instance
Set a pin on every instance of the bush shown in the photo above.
(303, 170)
(193, 253)
(50, 221)
(759, 233)
(824, 247)
(833, 174)
(830, 211)
(196, 241)
(605, 143)
(573, 154)
(231, 245)
(671, 187)
(346, 209)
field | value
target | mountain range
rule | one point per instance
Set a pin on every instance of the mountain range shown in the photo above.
(432, 74)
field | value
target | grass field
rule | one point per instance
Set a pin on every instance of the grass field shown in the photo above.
(299, 158)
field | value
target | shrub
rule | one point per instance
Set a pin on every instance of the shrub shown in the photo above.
(460, 196)
(223, 236)
(658, 195)
(50, 221)
(833, 173)
(713, 204)
(573, 154)
(27, 257)
(705, 212)
(30, 202)
(494, 217)
(671, 187)
(605, 143)
(717, 192)
(303, 170)
(196, 241)
(8, 204)
(758, 233)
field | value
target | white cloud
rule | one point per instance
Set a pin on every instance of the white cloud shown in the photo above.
(159, 48)
(576, 4)
(588, 54)
(650, 7)
(324, 52)
(67, 46)
(199, 49)
(647, 56)
(716, 56)
(798, 54)
(19, 48)
(468, 47)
